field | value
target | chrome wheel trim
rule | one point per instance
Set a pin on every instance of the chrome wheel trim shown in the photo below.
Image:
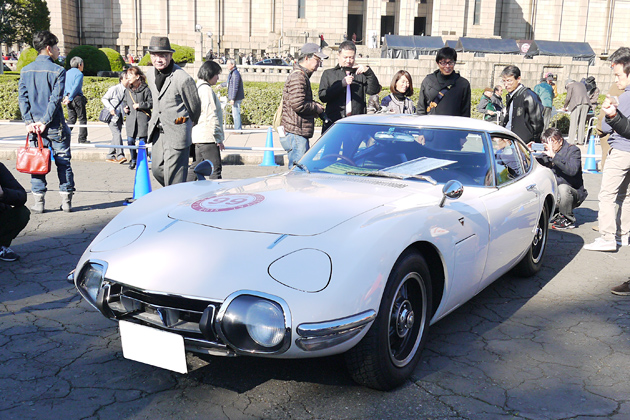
(407, 319)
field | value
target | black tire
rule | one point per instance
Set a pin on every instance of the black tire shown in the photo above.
(390, 350)
(532, 261)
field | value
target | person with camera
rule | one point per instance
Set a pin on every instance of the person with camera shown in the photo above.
(299, 110)
(344, 87)
(565, 161)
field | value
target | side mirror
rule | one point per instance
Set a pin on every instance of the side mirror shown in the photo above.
(204, 169)
(453, 190)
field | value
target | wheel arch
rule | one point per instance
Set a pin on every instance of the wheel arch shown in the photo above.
(436, 268)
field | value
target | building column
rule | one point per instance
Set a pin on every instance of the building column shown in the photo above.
(372, 21)
(405, 16)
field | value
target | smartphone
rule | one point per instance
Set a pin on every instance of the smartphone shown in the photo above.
(614, 100)
(538, 147)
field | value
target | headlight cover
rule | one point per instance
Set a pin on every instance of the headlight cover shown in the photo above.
(254, 322)
(90, 279)
(307, 270)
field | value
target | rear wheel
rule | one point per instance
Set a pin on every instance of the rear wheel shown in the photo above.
(390, 350)
(532, 261)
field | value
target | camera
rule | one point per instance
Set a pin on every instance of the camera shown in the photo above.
(324, 118)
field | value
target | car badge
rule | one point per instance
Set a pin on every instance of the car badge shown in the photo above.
(461, 221)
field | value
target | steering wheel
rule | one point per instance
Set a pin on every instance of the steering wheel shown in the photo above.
(342, 157)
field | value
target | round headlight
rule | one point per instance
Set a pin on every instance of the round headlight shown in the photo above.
(90, 279)
(265, 323)
(254, 323)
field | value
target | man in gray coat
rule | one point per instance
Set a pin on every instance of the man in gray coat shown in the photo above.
(577, 103)
(176, 109)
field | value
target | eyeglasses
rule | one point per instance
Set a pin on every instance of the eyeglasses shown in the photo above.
(445, 63)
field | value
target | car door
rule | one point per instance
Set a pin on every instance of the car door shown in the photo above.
(513, 207)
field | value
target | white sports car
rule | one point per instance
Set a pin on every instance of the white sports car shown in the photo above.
(386, 225)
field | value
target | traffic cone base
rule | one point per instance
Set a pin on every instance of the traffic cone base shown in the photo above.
(268, 158)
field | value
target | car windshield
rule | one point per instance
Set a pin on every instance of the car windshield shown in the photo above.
(402, 152)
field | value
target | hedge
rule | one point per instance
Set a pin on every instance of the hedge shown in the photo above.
(258, 107)
(94, 60)
(181, 55)
(116, 62)
(26, 57)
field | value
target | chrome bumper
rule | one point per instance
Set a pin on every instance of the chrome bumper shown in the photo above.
(323, 335)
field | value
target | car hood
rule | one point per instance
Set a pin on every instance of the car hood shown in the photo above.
(291, 203)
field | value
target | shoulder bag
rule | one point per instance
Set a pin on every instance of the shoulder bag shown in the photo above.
(33, 160)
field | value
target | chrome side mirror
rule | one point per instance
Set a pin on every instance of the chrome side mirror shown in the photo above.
(453, 190)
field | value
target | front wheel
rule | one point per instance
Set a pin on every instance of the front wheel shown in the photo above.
(532, 261)
(390, 350)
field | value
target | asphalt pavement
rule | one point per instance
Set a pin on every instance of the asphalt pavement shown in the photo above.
(555, 346)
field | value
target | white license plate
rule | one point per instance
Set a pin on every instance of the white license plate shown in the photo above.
(152, 346)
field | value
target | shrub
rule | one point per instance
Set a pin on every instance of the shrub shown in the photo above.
(116, 61)
(26, 57)
(94, 60)
(9, 106)
(182, 55)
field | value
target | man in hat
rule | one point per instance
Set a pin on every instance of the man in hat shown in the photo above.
(298, 107)
(176, 109)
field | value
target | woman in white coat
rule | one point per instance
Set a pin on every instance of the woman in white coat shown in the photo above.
(207, 135)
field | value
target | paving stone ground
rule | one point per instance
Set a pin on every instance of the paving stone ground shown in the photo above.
(556, 346)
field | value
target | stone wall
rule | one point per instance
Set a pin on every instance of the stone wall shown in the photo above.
(480, 71)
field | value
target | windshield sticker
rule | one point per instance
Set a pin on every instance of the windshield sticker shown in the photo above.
(226, 202)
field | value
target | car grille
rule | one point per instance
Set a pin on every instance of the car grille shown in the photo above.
(170, 313)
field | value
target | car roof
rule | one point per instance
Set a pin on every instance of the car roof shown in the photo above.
(433, 121)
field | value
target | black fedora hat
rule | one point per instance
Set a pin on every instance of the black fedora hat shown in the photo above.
(160, 44)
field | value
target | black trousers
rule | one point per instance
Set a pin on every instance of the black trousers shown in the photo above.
(203, 151)
(76, 111)
(12, 221)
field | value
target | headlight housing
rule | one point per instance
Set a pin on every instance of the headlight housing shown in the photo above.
(90, 279)
(254, 322)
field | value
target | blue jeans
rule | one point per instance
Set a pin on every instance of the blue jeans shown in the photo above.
(58, 139)
(299, 146)
(236, 114)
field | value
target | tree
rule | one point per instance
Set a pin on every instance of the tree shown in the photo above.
(20, 19)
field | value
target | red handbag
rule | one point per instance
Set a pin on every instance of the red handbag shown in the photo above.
(33, 160)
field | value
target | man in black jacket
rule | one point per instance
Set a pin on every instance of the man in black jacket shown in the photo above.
(444, 92)
(523, 112)
(565, 161)
(14, 215)
(343, 88)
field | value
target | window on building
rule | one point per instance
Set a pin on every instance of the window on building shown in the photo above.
(387, 25)
(420, 25)
(301, 9)
(477, 13)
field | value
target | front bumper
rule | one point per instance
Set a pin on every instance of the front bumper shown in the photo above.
(199, 321)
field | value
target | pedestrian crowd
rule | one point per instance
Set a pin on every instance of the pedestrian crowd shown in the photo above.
(167, 108)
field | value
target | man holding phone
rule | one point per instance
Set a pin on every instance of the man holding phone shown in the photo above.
(343, 88)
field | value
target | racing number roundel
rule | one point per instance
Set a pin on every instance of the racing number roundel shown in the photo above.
(227, 202)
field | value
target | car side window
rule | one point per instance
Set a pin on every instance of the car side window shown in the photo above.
(507, 161)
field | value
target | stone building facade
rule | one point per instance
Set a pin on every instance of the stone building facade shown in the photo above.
(273, 26)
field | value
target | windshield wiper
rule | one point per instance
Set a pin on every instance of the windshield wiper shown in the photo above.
(383, 174)
(301, 166)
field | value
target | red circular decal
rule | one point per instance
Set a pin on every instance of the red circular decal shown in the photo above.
(227, 202)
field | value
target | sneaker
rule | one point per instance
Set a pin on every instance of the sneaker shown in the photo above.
(7, 254)
(84, 142)
(623, 240)
(121, 160)
(111, 160)
(132, 164)
(562, 223)
(621, 290)
(601, 244)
